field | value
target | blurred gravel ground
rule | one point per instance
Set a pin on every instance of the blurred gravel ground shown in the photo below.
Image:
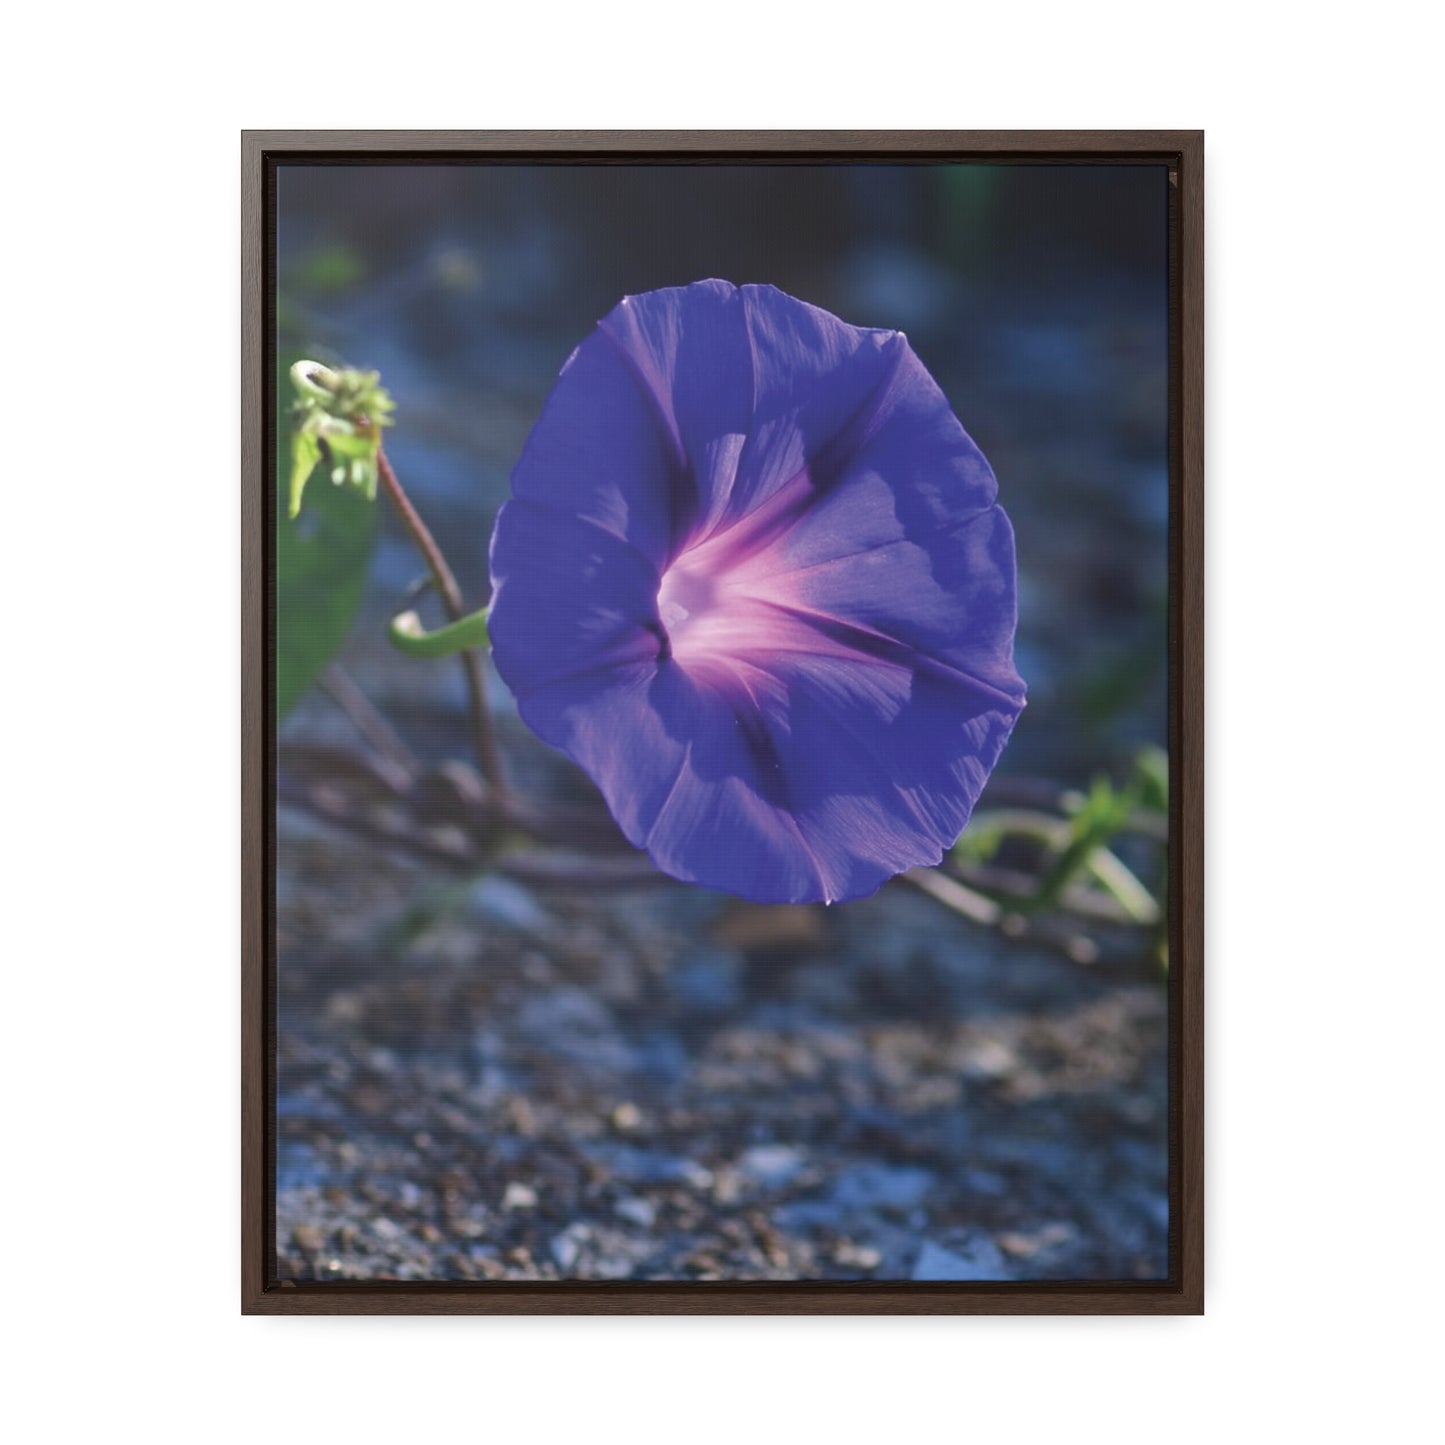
(671, 1085)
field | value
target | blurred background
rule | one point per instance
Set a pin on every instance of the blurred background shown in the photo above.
(478, 1079)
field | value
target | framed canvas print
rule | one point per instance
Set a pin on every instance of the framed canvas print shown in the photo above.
(723, 664)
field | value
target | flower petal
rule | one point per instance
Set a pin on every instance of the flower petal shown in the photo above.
(819, 386)
(915, 473)
(687, 773)
(949, 596)
(883, 761)
(688, 347)
(725, 821)
(607, 723)
(601, 451)
(568, 598)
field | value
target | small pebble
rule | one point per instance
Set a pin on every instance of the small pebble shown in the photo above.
(641, 1212)
(307, 1237)
(1022, 1246)
(771, 1165)
(857, 1256)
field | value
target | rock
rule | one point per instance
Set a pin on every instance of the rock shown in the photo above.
(298, 1166)
(977, 1258)
(572, 1024)
(792, 928)
(1021, 1246)
(650, 1166)
(985, 1182)
(626, 1118)
(857, 1256)
(641, 1212)
(802, 1216)
(771, 1166)
(985, 1057)
(661, 1056)
(610, 1266)
(881, 1186)
(519, 1196)
(584, 1251)
(500, 900)
(567, 1247)
(708, 983)
(563, 1010)
(308, 1237)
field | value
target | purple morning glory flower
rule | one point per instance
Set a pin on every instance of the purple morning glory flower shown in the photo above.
(753, 579)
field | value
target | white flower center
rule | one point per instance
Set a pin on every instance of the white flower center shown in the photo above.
(685, 598)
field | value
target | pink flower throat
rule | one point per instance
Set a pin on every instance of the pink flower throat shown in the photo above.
(719, 608)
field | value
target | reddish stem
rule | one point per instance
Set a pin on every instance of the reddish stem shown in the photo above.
(483, 740)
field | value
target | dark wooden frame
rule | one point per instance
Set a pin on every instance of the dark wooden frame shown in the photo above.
(1183, 1292)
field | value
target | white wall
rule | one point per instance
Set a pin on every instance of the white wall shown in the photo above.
(120, 796)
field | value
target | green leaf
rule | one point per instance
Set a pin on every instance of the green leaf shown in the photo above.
(322, 559)
(305, 456)
(1151, 774)
(1120, 882)
(1101, 814)
(979, 842)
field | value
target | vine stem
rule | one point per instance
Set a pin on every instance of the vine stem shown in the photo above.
(371, 726)
(489, 758)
